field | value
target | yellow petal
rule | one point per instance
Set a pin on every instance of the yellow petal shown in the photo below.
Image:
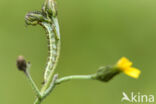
(132, 72)
(124, 63)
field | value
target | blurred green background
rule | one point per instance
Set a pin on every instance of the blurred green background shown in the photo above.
(94, 33)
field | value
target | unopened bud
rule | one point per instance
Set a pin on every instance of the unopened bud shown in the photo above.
(21, 63)
(50, 7)
(106, 73)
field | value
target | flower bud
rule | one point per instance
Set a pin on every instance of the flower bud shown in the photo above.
(21, 63)
(50, 7)
(106, 73)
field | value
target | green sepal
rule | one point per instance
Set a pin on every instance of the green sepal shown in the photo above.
(106, 73)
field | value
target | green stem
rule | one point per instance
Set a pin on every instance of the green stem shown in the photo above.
(48, 91)
(67, 78)
(56, 81)
(51, 87)
(35, 88)
(37, 101)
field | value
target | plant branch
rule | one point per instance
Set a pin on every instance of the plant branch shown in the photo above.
(56, 81)
(48, 91)
(51, 87)
(47, 18)
(35, 88)
(75, 77)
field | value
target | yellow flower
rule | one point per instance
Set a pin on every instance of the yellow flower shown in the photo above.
(126, 66)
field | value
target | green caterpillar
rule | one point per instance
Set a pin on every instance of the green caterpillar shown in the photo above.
(53, 46)
(49, 22)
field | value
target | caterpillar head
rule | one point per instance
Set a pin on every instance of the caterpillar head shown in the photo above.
(34, 18)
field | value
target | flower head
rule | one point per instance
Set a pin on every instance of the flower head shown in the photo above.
(106, 73)
(125, 66)
(21, 63)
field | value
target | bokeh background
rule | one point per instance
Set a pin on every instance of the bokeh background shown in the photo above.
(94, 33)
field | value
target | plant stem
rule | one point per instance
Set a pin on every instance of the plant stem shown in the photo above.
(48, 91)
(37, 101)
(67, 78)
(56, 81)
(35, 88)
(51, 87)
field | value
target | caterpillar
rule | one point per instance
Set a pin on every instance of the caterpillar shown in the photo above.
(47, 18)
(53, 48)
